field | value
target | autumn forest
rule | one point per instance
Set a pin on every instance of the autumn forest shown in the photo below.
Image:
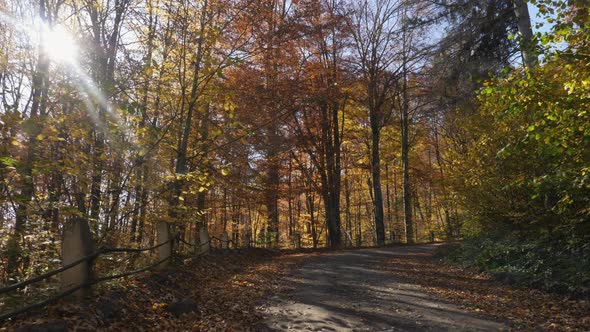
(299, 123)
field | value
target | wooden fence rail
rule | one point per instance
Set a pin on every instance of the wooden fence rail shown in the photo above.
(74, 279)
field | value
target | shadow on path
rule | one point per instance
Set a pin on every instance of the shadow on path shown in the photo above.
(350, 291)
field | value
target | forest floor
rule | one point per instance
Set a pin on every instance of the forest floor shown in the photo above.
(221, 291)
(399, 288)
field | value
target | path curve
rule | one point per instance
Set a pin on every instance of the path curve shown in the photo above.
(349, 291)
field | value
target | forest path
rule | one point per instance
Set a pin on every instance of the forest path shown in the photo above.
(351, 291)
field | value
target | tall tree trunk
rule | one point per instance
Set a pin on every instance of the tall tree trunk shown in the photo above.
(52, 214)
(311, 209)
(334, 167)
(521, 11)
(143, 209)
(96, 179)
(136, 205)
(445, 203)
(396, 205)
(388, 198)
(224, 215)
(377, 193)
(290, 199)
(407, 192)
(330, 169)
(405, 127)
(348, 215)
(105, 75)
(141, 162)
(359, 221)
(181, 160)
(202, 225)
(272, 197)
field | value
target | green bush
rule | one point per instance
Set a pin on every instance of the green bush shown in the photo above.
(559, 265)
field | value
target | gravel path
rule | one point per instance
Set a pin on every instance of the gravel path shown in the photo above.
(349, 291)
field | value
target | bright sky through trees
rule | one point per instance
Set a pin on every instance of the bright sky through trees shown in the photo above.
(59, 44)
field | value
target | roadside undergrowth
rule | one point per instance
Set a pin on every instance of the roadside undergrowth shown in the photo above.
(225, 288)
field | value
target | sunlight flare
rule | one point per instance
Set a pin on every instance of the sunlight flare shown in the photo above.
(59, 45)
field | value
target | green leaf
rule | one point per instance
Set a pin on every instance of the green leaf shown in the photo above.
(8, 161)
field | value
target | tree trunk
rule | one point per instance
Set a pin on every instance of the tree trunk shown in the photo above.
(312, 223)
(348, 215)
(521, 11)
(104, 74)
(290, 200)
(405, 127)
(406, 178)
(137, 219)
(377, 193)
(388, 198)
(359, 221)
(181, 165)
(272, 199)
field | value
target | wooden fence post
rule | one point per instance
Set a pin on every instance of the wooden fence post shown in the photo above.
(224, 241)
(194, 248)
(77, 243)
(204, 239)
(163, 235)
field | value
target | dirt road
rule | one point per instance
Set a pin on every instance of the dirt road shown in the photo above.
(350, 291)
